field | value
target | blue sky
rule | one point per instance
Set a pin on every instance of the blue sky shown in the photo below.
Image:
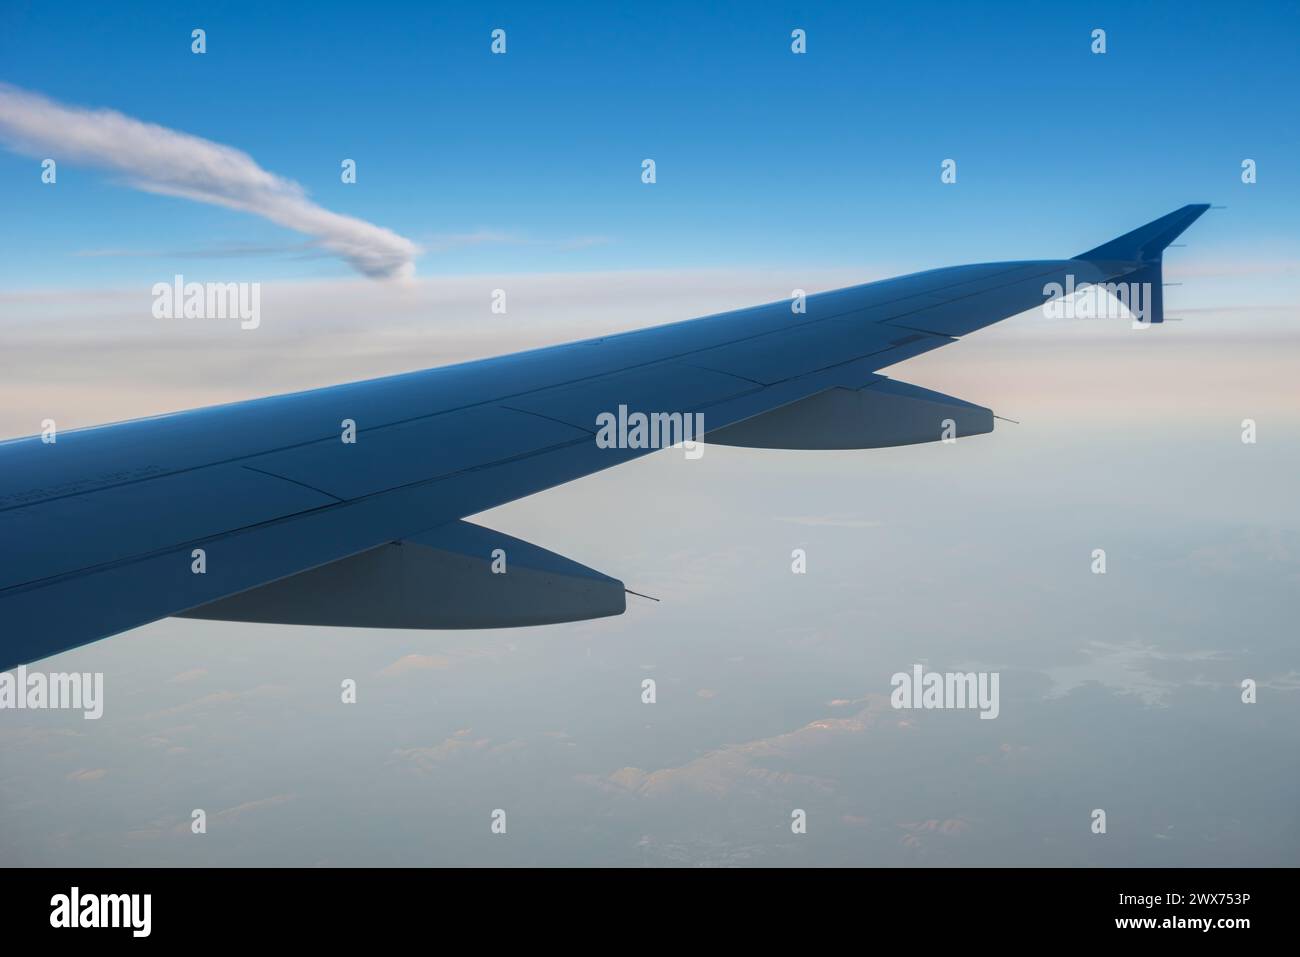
(764, 158)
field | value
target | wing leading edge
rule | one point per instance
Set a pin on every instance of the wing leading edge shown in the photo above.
(102, 529)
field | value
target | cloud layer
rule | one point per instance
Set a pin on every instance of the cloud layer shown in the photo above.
(161, 160)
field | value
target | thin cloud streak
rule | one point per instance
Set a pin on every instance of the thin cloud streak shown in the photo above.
(167, 162)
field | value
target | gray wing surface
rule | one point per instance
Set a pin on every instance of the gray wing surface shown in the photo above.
(101, 528)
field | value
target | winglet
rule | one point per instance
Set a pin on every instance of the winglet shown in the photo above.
(1138, 258)
(1146, 243)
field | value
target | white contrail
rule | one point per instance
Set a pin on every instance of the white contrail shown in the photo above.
(160, 160)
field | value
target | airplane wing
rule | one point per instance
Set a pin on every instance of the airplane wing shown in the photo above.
(263, 511)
